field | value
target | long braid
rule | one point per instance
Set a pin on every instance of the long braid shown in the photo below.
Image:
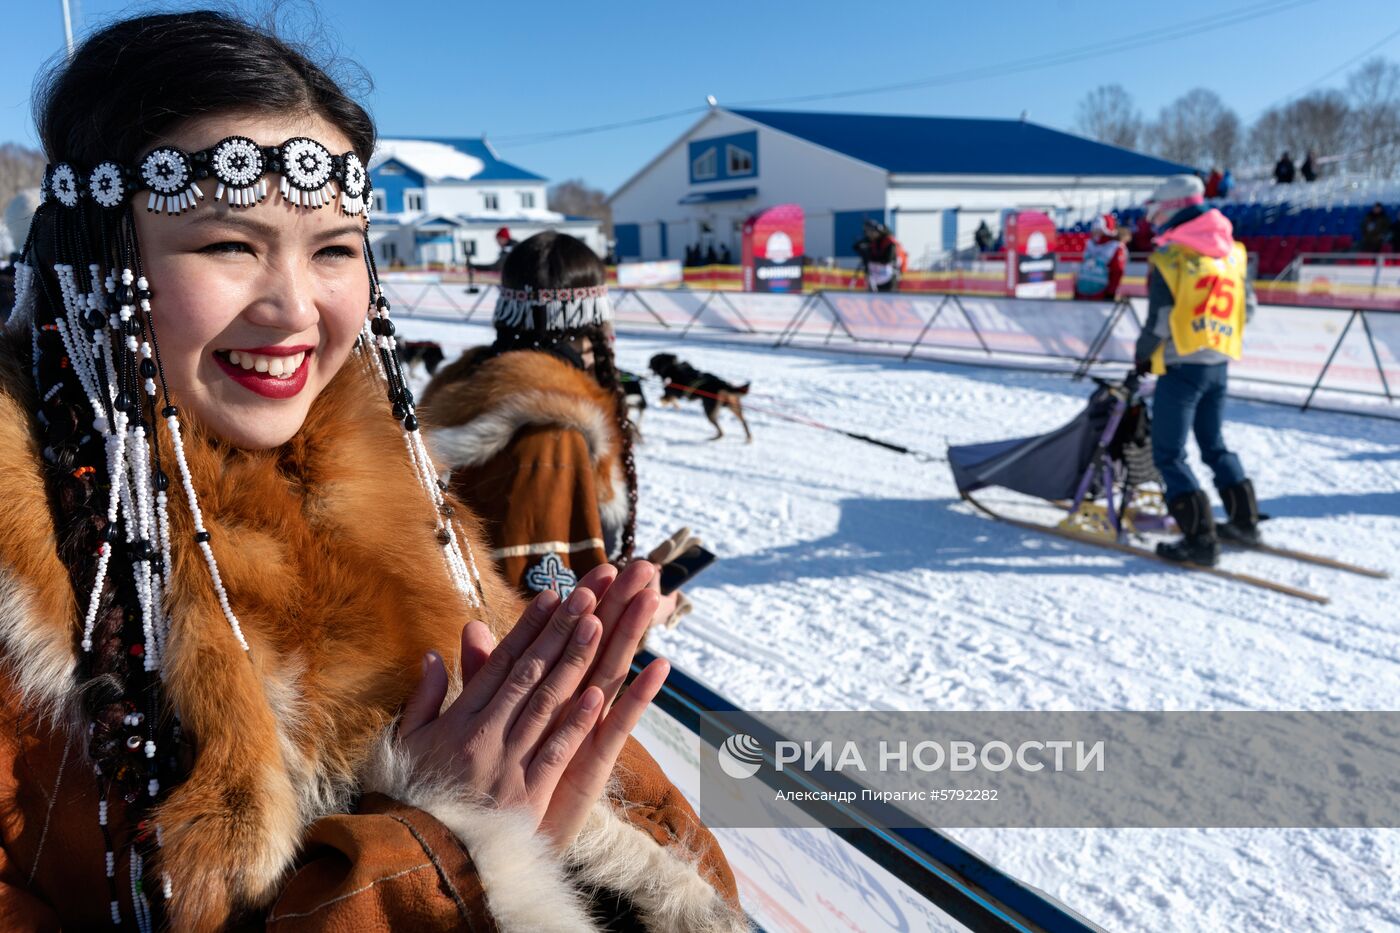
(120, 702)
(605, 372)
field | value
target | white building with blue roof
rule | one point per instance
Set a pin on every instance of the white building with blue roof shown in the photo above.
(933, 180)
(441, 201)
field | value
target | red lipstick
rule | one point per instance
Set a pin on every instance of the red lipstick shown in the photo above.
(275, 387)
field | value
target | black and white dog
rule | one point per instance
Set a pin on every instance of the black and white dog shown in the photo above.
(685, 382)
(413, 352)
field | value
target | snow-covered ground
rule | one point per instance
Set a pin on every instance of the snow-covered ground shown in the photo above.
(852, 577)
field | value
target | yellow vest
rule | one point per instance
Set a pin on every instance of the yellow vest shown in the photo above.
(1209, 312)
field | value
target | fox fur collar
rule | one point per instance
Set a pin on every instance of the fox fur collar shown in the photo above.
(327, 550)
(473, 418)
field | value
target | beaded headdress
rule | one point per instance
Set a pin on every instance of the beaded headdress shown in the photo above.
(559, 309)
(99, 330)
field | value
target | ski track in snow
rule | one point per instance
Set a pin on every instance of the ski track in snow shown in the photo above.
(851, 577)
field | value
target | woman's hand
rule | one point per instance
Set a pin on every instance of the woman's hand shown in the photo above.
(533, 728)
(665, 606)
(521, 716)
(626, 606)
(673, 547)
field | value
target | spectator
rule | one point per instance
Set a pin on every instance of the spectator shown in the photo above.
(711, 257)
(504, 244)
(881, 257)
(1227, 183)
(725, 259)
(1375, 229)
(1142, 236)
(1283, 170)
(1213, 183)
(1104, 260)
(984, 238)
(1309, 168)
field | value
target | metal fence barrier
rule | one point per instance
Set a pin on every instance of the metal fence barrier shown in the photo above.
(1348, 350)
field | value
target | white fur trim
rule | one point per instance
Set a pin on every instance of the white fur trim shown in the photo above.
(39, 659)
(525, 884)
(477, 441)
(613, 512)
(666, 888)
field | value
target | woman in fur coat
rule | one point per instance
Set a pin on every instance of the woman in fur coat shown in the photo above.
(535, 426)
(254, 675)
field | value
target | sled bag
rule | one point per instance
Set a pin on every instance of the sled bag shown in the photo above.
(1048, 465)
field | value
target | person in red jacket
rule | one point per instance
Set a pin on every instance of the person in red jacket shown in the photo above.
(1105, 258)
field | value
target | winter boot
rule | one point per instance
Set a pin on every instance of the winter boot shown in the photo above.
(1243, 509)
(1193, 517)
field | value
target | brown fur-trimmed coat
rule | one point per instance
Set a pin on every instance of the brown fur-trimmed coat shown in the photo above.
(536, 451)
(299, 813)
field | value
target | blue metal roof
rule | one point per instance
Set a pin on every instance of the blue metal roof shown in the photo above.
(496, 169)
(960, 145)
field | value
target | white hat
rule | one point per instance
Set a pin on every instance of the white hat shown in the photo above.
(1177, 192)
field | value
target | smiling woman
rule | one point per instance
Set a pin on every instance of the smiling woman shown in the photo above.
(254, 675)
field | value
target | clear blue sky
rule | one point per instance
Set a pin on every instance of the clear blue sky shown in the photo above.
(512, 67)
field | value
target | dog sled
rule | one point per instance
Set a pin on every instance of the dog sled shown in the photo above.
(1098, 470)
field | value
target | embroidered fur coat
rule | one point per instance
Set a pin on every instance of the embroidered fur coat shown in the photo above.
(536, 452)
(299, 813)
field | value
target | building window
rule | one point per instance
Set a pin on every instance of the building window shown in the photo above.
(705, 166)
(740, 160)
(378, 201)
(413, 202)
(389, 168)
(492, 202)
(388, 251)
(527, 199)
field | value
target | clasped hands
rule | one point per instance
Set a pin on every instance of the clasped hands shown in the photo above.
(535, 728)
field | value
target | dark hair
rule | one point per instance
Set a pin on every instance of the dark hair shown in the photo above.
(555, 260)
(135, 80)
(124, 87)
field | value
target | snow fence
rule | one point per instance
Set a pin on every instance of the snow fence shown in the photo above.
(1340, 345)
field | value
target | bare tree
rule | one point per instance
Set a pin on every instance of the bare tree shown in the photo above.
(1269, 137)
(1374, 91)
(20, 168)
(576, 198)
(1197, 129)
(1107, 114)
(1320, 123)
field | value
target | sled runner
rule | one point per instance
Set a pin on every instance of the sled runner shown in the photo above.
(1098, 469)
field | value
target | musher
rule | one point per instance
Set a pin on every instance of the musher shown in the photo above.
(1199, 298)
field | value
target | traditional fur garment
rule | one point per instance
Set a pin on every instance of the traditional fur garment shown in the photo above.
(535, 450)
(327, 552)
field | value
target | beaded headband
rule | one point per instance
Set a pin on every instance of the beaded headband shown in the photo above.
(310, 174)
(565, 308)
